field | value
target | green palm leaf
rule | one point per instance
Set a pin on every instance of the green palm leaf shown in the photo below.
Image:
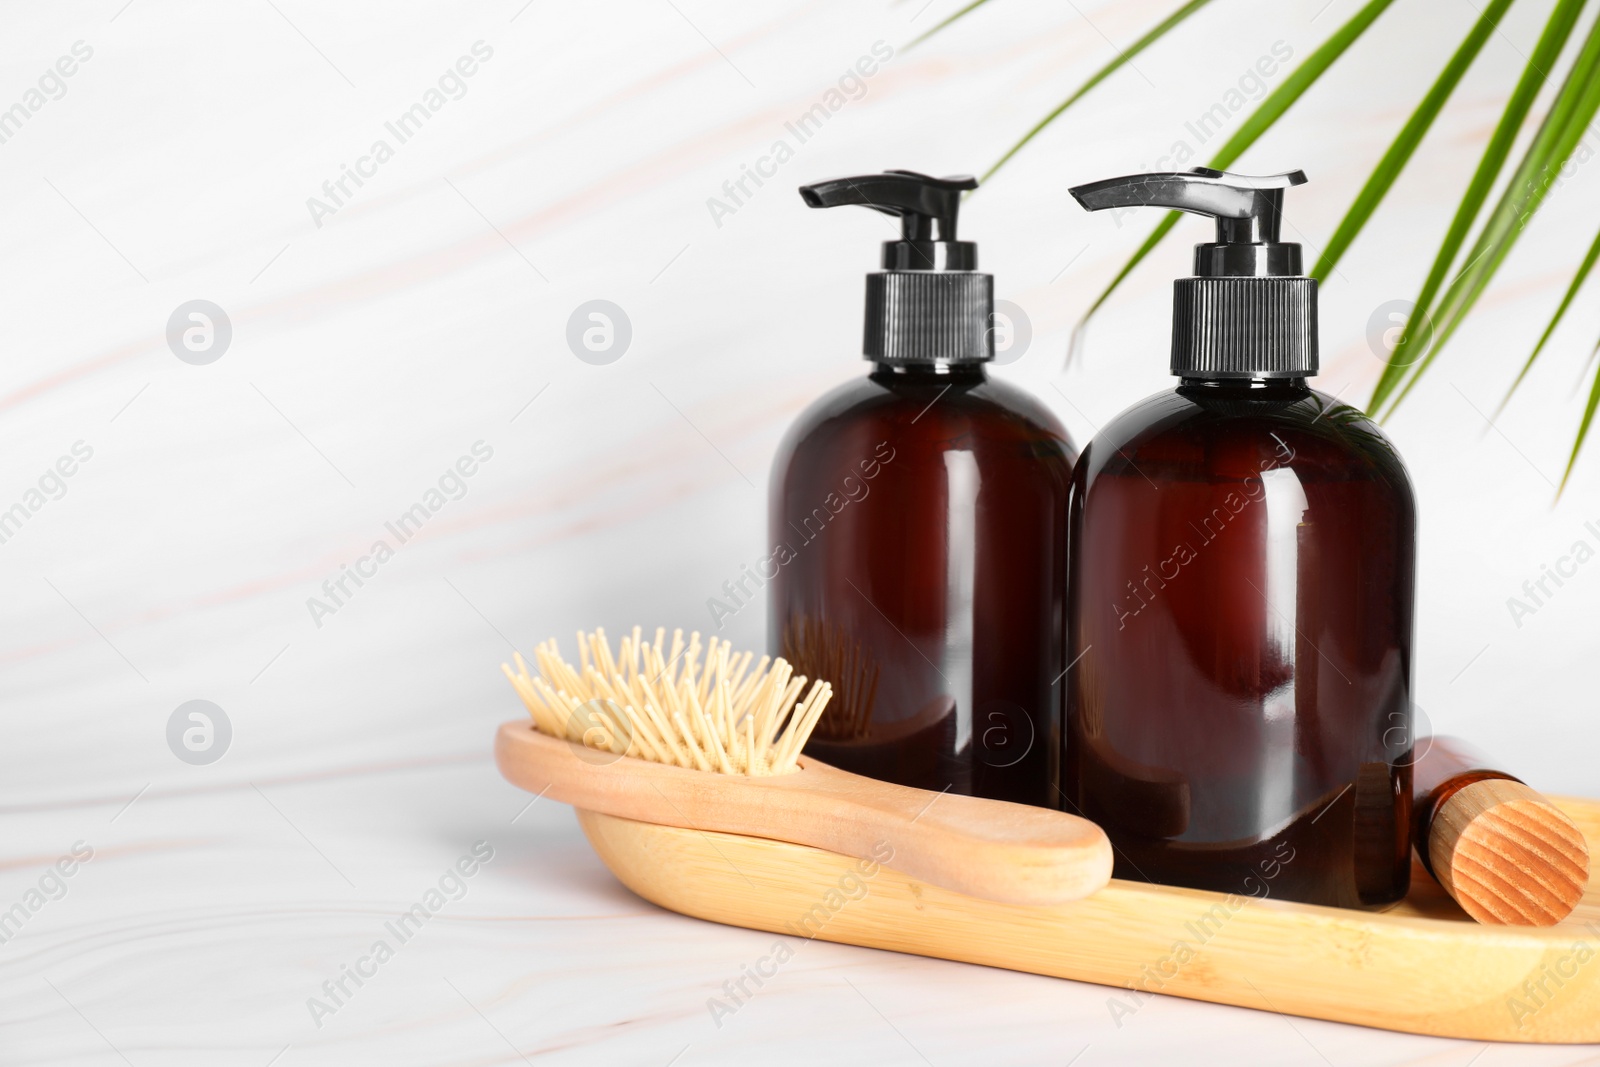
(1583, 427)
(1099, 76)
(964, 11)
(1555, 320)
(1262, 119)
(1574, 107)
(1545, 52)
(1405, 143)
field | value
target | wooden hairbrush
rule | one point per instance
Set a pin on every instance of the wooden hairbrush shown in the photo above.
(654, 735)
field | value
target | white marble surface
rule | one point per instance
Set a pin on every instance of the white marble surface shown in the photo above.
(371, 352)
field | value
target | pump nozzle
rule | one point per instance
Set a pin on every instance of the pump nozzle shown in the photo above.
(1248, 312)
(927, 208)
(1248, 211)
(929, 304)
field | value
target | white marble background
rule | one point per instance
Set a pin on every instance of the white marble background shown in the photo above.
(371, 352)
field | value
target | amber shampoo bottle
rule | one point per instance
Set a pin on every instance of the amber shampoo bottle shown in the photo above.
(918, 518)
(1240, 607)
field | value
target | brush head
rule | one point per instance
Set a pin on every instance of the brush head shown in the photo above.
(664, 704)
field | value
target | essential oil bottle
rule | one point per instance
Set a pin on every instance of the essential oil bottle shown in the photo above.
(919, 521)
(1242, 577)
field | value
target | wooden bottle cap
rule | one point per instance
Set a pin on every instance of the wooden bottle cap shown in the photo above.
(1507, 855)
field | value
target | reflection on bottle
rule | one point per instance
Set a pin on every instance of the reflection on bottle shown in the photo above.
(821, 650)
(1139, 798)
(962, 484)
(914, 750)
(1380, 830)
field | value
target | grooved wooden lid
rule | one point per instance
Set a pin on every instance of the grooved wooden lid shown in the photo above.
(1507, 855)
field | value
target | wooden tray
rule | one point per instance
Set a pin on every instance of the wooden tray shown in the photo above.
(1422, 967)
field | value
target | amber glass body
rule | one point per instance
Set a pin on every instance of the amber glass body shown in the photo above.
(918, 527)
(1240, 627)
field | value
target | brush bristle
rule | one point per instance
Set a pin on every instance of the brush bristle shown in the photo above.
(663, 704)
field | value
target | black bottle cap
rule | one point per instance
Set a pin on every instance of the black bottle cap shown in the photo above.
(1248, 312)
(929, 304)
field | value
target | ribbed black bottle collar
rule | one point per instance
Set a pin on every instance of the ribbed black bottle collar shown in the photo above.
(1244, 328)
(939, 316)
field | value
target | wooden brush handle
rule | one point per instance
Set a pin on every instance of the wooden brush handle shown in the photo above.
(1010, 853)
(1505, 853)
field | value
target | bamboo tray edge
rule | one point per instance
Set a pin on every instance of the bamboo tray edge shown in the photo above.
(1423, 967)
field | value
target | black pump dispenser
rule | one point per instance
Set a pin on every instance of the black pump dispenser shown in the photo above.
(1248, 312)
(929, 304)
